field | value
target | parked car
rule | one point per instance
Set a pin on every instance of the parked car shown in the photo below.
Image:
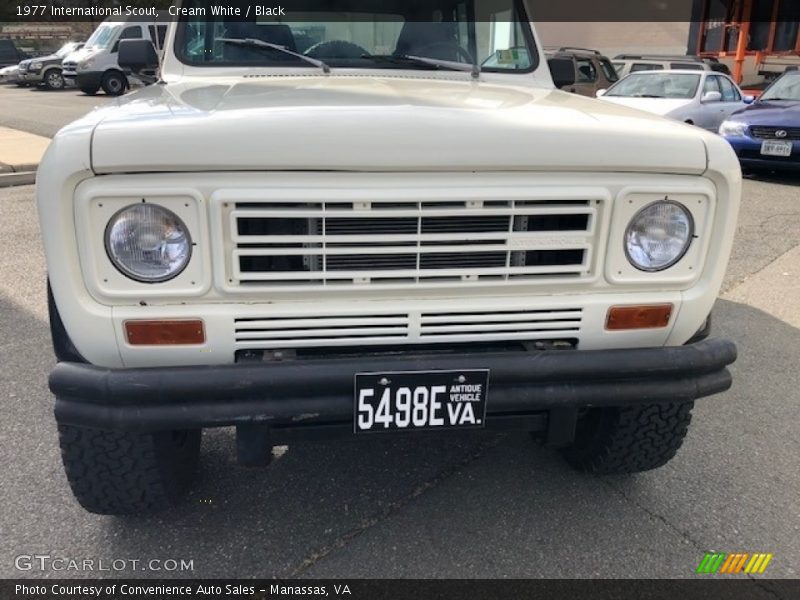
(9, 74)
(593, 71)
(625, 64)
(702, 98)
(95, 66)
(419, 244)
(46, 70)
(10, 55)
(766, 134)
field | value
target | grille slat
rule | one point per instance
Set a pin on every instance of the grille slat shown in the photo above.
(770, 133)
(303, 331)
(380, 243)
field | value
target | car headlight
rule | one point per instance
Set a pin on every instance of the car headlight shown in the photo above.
(148, 243)
(658, 236)
(733, 128)
(37, 66)
(85, 64)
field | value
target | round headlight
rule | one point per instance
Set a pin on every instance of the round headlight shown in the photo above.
(148, 243)
(658, 236)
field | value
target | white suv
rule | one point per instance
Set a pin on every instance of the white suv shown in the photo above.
(371, 225)
(626, 64)
(95, 66)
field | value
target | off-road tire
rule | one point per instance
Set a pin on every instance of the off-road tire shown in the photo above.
(629, 439)
(114, 83)
(118, 473)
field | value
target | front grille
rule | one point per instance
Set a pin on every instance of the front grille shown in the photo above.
(330, 244)
(69, 66)
(770, 133)
(425, 327)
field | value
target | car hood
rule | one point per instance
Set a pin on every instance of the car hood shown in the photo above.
(658, 106)
(79, 55)
(770, 113)
(360, 123)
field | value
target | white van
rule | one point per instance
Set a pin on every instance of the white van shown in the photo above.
(95, 65)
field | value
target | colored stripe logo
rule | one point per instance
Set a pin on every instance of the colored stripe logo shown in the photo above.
(742, 562)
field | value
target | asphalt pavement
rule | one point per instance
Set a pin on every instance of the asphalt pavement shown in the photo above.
(453, 505)
(44, 112)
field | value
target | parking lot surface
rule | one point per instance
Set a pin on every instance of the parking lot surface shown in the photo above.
(454, 505)
(44, 112)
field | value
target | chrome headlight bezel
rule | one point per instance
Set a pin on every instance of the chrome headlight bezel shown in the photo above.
(126, 269)
(687, 243)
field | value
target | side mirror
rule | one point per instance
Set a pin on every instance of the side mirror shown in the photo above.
(711, 97)
(137, 55)
(748, 99)
(600, 93)
(562, 70)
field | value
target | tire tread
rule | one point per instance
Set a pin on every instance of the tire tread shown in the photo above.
(633, 439)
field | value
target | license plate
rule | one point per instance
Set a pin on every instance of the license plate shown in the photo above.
(776, 148)
(421, 400)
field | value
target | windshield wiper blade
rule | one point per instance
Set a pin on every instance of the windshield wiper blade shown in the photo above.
(452, 65)
(253, 43)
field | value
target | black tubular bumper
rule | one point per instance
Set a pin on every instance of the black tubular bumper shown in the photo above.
(319, 392)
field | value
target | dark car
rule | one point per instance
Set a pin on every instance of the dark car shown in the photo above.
(46, 70)
(766, 134)
(9, 53)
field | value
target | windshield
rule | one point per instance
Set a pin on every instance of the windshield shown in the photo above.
(366, 35)
(656, 85)
(609, 70)
(785, 88)
(102, 36)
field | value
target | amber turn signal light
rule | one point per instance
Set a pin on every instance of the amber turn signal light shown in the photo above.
(164, 333)
(638, 317)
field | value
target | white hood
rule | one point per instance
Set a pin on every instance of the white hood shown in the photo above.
(657, 106)
(361, 123)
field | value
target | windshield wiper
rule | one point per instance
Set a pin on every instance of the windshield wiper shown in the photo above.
(253, 43)
(474, 69)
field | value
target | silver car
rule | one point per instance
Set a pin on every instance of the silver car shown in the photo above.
(9, 74)
(702, 98)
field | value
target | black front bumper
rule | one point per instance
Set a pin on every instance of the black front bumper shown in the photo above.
(318, 393)
(89, 80)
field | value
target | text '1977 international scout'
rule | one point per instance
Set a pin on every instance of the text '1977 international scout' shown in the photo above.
(368, 218)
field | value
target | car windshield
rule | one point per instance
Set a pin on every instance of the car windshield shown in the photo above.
(364, 34)
(656, 85)
(609, 70)
(102, 36)
(785, 88)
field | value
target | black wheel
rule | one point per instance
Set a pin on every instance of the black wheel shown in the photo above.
(90, 91)
(117, 473)
(114, 83)
(630, 439)
(53, 80)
